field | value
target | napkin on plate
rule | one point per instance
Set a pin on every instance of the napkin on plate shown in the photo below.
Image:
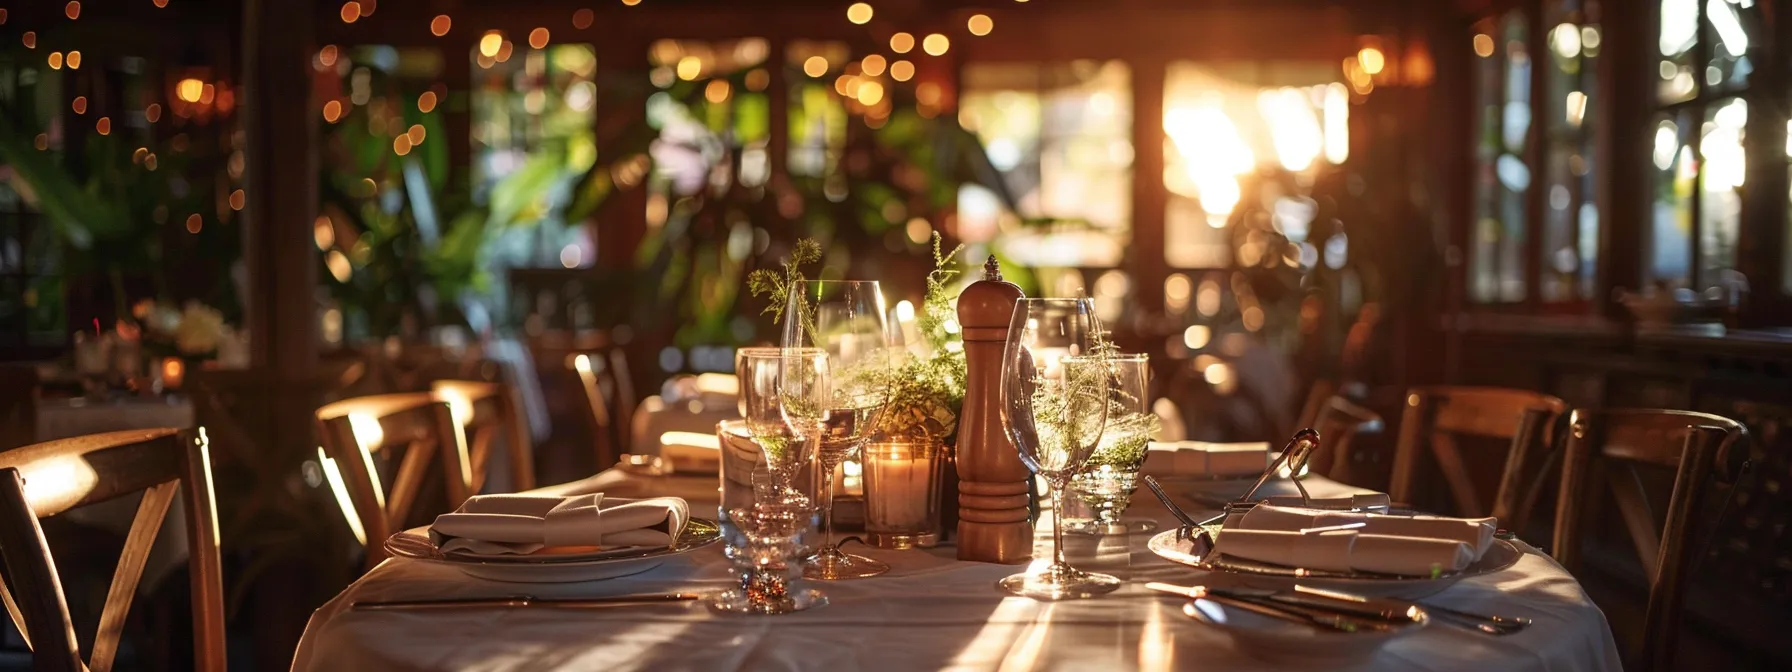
(1344, 541)
(1202, 459)
(526, 523)
(1362, 502)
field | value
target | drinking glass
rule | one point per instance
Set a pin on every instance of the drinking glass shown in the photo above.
(1106, 484)
(1054, 404)
(845, 319)
(772, 379)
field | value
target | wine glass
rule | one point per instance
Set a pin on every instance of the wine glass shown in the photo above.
(772, 379)
(1054, 405)
(845, 319)
(1107, 481)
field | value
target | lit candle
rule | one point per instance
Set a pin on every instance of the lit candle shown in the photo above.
(901, 488)
(174, 372)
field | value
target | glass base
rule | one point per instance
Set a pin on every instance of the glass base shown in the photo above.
(1060, 582)
(1124, 527)
(902, 541)
(737, 601)
(830, 564)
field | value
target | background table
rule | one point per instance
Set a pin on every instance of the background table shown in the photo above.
(930, 612)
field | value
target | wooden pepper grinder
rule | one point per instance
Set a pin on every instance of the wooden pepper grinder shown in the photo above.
(992, 487)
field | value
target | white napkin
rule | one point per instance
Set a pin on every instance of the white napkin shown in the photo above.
(526, 523)
(1311, 538)
(1202, 459)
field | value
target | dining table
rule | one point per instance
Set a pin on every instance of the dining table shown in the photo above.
(931, 611)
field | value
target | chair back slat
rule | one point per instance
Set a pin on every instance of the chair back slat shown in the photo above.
(1339, 421)
(420, 425)
(1437, 418)
(1697, 447)
(48, 478)
(597, 377)
(142, 536)
(492, 410)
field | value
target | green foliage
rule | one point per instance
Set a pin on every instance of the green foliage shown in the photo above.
(927, 389)
(775, 288)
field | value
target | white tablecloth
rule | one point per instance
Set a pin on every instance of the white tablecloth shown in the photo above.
(930, 612)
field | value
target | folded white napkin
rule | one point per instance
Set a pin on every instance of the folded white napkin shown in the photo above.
(1202, 459)
(526, 523)
(1340, 541)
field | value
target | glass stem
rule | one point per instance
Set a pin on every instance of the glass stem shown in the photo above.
(1057, 492)
(827, 505)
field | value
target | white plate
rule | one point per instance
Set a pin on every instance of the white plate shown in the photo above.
(608, 564)
(1227, 571)
(1281, 642)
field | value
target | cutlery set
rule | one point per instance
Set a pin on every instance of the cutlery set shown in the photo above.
(1343, 612)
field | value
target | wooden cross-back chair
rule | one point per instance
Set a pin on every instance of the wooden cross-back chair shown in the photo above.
(1339, 421)
(46, 479)
(1609, 446)
(1436, 417)
(487, 411)
(354, 432)
(604, 376)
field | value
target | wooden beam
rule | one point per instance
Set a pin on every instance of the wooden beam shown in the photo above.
(1621, 146)
(281, 184)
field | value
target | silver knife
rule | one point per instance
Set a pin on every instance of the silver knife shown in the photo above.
(529, 601)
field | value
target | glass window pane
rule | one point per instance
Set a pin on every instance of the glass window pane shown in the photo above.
(1720, 202)
(1570, 214)
(1243, 142)
(1731, 26)
(1675, 170)
(817, 116)
(1675, 41)
(1062, 136)
(1502, 175)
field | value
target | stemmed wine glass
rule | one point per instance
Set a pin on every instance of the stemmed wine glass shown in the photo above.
(1054, 405)
(771, 380)
(845, 319)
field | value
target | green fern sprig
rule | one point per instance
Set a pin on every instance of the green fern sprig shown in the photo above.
(776, 287)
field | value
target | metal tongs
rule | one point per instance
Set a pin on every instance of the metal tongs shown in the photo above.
(1294, 458)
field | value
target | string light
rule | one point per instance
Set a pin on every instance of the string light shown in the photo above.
(936, 44)
(30, 39)
(327, 56)
(236, 200)
(190, 90)
(160, 3)
(902, 71)
(490, 43)
(74, 60)
(631, 3)
(55, 60)
(583, 18)
(333, 111)
(351, 11)
(816, 66)
(873, 65)
(689, 68)
(538, 38)
(153, 113)
(426, 102)
(73, 10)
(416, 133)
(859, 13)
(104, 125)
(195, 223)
(440, 25)
(981, 24)
(80, 104)
(901, 43)
(401, 144)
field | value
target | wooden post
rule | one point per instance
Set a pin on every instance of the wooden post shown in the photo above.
(992, 488)
(281, 176)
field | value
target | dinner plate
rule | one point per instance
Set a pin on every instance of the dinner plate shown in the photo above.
(1196, 552)
(1280, 642)
(556, 568)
